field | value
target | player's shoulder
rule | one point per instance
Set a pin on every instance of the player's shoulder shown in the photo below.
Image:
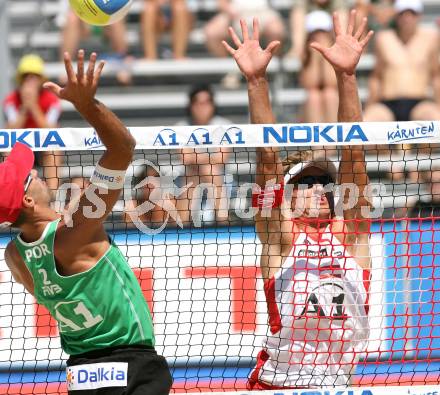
(11, 98)
(428, 31)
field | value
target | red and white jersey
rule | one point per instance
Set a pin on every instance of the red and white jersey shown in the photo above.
(49, 104)
(318, 306)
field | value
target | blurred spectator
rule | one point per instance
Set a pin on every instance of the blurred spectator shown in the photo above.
(74, 30)
(428, 205)
(407, 65)
(380, 13)
(317, 75)
(30, 106)
(201, 108)
(203, 165)
(231, 11)
(163, 15)
(300, 9)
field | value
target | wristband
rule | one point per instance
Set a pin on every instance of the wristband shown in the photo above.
(107, 178)
(270, 197)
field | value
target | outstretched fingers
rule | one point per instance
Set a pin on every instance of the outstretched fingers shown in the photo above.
(273, 47)
(228, 48)
(98, 72)
(80, 65)
(54, 88)
(244, 30)
(71, 76)
(91, 67)
(256, 29)
(318, 47)
(337, 24)
(361, 29)
(351, 22)
(365, 41)
(234, 37)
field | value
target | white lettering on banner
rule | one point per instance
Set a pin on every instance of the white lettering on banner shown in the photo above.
(93, 142)
(96, 375)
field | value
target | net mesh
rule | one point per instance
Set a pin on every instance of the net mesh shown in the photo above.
(186, 224)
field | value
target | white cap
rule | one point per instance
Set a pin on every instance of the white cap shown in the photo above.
(322, 164)
(408, 5)
(318, 20)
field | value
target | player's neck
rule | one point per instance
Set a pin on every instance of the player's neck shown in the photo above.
(34, 227)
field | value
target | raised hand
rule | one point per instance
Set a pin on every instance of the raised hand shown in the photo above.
(81, 87)
(250, 57)
(345, 53)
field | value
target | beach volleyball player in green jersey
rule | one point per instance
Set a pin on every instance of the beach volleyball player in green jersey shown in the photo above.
(71, 266)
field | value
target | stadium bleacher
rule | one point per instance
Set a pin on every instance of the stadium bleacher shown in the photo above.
(157, 97)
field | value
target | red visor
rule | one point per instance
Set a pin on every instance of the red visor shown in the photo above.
(13, 173)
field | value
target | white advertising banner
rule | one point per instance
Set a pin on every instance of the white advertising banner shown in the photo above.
(164, 137)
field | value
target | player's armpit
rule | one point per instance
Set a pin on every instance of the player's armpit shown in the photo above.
(18, 268)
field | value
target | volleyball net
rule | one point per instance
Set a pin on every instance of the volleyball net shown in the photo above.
(186, 223)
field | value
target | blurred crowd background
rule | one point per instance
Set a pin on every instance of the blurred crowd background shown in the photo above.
(166, 66)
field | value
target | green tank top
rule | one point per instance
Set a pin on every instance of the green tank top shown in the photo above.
(102, 307)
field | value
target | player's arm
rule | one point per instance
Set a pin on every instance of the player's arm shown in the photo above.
(253, 61)
(96, 203)
(344, 56)
(18, 268)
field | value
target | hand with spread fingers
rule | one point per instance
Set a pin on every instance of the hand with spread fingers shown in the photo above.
(81, 87)
(250, 57)
(345, 53)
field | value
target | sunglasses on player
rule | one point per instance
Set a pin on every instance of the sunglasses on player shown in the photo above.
(28, 182)
(311, 180)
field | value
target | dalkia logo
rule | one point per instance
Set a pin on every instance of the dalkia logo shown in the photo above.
(70, 377)
(414, 133)
(99, 375)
